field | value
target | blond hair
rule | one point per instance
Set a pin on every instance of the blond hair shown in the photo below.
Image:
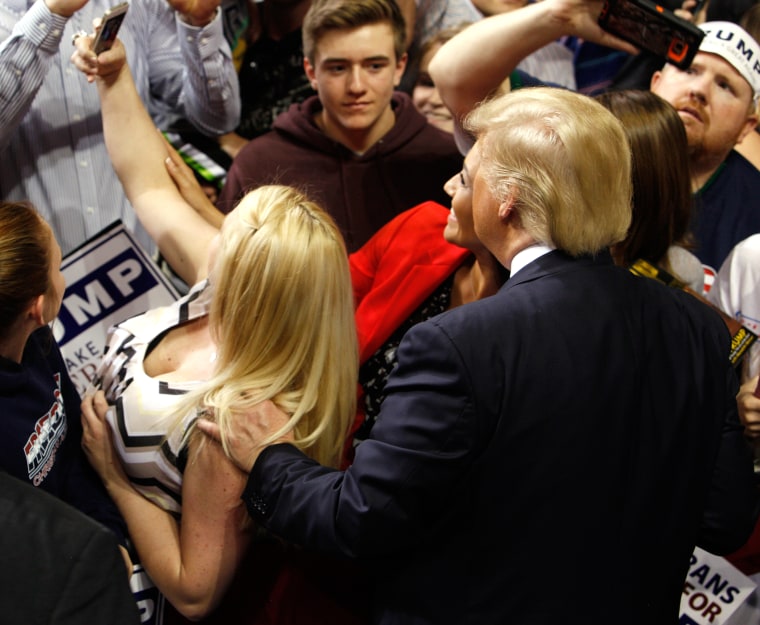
(282, 317)
(566, 161)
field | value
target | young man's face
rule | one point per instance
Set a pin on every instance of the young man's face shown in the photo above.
(354, 73)
(713, 101)
(426, 98)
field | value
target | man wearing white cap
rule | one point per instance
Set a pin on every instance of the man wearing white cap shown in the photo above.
(716, 99)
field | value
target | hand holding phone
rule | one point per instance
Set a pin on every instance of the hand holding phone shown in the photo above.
(109, 27)
(654, 28)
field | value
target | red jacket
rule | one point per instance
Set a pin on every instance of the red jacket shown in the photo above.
(392, 274)
(397, 269)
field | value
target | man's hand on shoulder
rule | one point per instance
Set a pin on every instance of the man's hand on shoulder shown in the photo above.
(250, 433)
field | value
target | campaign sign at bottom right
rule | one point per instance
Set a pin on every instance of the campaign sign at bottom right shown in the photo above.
(713, 590)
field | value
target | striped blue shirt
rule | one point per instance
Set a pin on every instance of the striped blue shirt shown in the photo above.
(51, 137)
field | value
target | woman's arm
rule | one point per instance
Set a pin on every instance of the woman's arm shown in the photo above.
(138, 155)
(471, 65)
(192, 563)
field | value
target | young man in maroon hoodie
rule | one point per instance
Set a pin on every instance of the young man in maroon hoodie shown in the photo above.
(358, 147)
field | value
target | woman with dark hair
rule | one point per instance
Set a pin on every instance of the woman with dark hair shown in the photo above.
(662, 200)
(41, 431)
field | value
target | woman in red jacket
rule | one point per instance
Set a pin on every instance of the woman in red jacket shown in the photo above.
(407, 272)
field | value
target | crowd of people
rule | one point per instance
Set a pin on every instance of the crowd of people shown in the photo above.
(411, 370)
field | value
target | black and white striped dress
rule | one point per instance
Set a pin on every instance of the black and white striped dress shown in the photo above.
(142, 415)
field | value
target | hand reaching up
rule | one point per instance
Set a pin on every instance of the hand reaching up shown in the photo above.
(103, 66)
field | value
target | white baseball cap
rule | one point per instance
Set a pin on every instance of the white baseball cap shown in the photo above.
(736, 46)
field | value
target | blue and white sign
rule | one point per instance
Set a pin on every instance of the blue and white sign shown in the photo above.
(108, 279)
(714, 592)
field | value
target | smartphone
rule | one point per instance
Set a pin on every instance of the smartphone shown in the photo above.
(654, 28)
(109, 27)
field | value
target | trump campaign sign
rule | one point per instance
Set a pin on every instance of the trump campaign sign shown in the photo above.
(108, 279)
(714, 592)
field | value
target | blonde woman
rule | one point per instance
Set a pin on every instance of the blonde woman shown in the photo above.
(270, 317)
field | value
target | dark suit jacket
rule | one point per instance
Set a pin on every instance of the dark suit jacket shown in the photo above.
(548, 455)
(59, 566)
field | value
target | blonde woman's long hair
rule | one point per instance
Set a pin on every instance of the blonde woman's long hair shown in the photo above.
(282, 318)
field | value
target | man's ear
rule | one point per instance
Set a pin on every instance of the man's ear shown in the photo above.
(507, 207)
(749, 126)
(655, 80)
(310, 73)
(36, 310)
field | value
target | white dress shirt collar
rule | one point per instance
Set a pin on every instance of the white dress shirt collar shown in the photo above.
(528, 255)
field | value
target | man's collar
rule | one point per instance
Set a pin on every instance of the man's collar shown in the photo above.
(528, 255)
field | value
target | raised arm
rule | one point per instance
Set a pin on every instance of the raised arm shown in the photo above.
(470, 66)
(138, 155)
